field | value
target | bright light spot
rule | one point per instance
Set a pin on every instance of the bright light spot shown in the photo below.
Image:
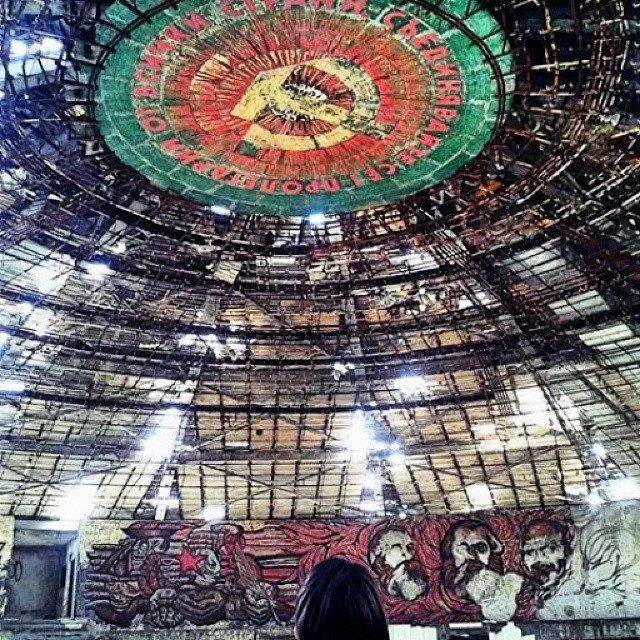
(161, 390)
(18, 49)
(317, 219)
(188, 340)
(402, 514)
(8, 412)
(50, 46)
(25, 308)
(484, 429)
(220, 210)
(48, 279)
(359, 439)
(624, 489)
(467, 302)
(412, 385)
(339, 367)
(370, 506)
(214, 513)
(490, 446)
(11, 386)
(51, 275)
(77, 502)
(379, 446)
(237, 444)
(371, 481)
(162, 442)
(159, 446)
(236, 345)
(119, 248)
(170, 418)
(594, 499)
(599, 449)
(396, 459)
(479, 495)
(98, 270)
(4, 338)
(169, 503)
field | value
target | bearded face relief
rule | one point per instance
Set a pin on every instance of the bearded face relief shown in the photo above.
(472, 546)
(545, 552)
(392, 556)
(473, 569)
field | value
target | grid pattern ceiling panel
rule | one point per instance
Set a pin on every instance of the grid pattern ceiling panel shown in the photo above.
(474, 346)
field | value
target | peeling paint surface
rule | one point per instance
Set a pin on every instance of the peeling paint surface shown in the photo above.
(293, 106)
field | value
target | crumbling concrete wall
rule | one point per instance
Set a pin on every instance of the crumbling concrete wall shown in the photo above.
(7, 525)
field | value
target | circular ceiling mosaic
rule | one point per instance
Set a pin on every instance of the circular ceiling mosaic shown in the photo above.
(294, 106)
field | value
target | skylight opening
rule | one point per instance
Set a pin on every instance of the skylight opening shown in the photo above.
(12, 386)
(359, 438)
(161, 444)
(77, 502)
(214, 513)
(317, 219)
(98, 270)
(411, 386)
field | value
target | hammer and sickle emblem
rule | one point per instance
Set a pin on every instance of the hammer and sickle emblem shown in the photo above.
(274, 90)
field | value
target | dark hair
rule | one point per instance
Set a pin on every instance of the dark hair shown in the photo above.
(339, 601)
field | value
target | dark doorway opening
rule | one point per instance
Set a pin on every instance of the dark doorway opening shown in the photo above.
(41, 577)
(36, 586)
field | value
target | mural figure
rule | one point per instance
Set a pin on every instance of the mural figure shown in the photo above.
(392, 556)
(526, 565)
(602, 579)
(545, 553)
(473, 569)
(170, 573)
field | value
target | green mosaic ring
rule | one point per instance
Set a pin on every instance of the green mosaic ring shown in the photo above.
(289, 107)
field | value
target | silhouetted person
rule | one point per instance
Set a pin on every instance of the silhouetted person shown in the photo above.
(339, 601)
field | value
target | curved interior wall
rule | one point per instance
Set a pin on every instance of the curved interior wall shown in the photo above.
(560, 564)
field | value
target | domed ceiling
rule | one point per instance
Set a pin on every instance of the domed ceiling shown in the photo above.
(317, 258)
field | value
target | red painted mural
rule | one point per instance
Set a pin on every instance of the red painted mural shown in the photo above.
(432, 570)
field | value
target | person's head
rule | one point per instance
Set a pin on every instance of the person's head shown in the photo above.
(339, 601)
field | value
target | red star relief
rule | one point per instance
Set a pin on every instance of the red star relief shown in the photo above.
(188, 561)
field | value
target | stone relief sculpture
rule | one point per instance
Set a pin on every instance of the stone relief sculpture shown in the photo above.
(548, 564)
(392, 556)
(545, 553)
(601, 578)
(172, 573)
(474, 569)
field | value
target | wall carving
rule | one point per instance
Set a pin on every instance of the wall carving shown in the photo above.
(522, 566)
